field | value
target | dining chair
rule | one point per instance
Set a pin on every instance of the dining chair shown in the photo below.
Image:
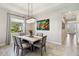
(20, 46)
(22, 34)
(15, 42)
(41, 44)
(40, 34)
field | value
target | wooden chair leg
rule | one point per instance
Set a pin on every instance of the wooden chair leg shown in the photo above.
(21, 52)
(32, 48)
(41, 52)
(14, 47)
(17, 51)
(45, 48)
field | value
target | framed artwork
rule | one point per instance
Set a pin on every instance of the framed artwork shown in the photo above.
(43, 24)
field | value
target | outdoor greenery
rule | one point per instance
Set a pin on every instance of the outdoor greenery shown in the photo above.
(15, 27)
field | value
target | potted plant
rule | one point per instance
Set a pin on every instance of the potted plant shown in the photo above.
(31, 33)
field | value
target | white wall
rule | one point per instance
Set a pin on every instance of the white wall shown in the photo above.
(3, 22)
(78, 33)
(78, 28)
(54, 33)
(30, 26)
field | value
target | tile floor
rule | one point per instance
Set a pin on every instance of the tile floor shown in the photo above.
(69, 49)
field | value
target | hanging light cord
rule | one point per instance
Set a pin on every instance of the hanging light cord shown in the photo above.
(28, 10)
(32, 10)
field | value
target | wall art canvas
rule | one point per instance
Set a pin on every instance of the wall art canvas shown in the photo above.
(43, 24)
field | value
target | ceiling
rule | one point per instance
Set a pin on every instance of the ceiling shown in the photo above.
(23, 7)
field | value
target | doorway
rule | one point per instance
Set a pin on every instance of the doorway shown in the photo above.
(71, 27)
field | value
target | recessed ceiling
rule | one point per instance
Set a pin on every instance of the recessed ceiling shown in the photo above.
(38, 7)
(23, 7)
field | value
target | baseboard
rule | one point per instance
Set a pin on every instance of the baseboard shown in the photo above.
(2, 44)
(54, 42)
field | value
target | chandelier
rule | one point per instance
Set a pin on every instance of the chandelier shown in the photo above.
(70, 16)
(30, 18)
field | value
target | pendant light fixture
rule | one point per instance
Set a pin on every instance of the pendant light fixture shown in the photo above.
(31, 18)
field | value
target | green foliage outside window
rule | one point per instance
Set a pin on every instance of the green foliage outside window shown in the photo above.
(15, 27)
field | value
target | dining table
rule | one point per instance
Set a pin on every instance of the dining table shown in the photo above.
(30, 39)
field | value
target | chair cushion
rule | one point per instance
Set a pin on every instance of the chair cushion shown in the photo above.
(38, 44)
(25, 45)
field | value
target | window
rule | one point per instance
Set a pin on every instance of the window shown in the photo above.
(17, 24)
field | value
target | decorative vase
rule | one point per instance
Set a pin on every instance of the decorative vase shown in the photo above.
(31, 33)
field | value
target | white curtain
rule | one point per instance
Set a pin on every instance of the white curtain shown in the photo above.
(8, 32)
(8, 35)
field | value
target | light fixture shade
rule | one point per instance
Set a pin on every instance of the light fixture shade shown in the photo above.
(70, 16)
(32, 20)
